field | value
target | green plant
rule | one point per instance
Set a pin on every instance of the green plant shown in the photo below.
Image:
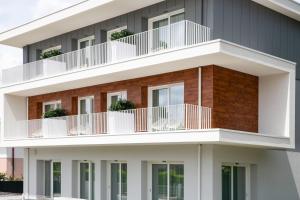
(51, 53)
(121, 104)
(120, 34)
(55, 113)
(3, 177)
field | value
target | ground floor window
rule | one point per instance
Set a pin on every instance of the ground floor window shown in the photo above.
(167, 181)
(86, 180)
(235, 182)
(118, 181)
(49, 178)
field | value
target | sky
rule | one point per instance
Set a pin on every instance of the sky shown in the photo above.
(17, 12)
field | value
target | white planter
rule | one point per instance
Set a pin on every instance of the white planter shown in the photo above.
(52, 128)
(120, 123)
(120, 50)
(51, 67)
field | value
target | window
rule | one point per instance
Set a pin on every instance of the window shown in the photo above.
(52, 48)
(52, 105)
(162, 38)
(167, 109)
(115, 30)
(86, 180)
(115, 96)
(118, 181)
(85, 119)
(235, 182)
(86, 56)
(167, 181)
(52, 178)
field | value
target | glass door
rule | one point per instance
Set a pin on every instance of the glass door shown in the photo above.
(167, 104)
(167, 182)
(235, 183)
(118, 181)
(86, 180)
(113, 97)
(85, 115)
(52, 178)
(85, 55)
(165, 33)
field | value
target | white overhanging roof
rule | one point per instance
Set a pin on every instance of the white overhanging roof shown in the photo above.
(90, 12)
(74, 17)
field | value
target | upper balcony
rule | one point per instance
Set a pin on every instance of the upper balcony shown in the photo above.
(174, 36)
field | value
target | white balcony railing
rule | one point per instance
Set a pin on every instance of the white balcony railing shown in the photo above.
(152, 119)
(177, 35)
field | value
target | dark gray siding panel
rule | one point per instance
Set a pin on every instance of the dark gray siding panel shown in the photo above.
(252, 25)
(136, 21)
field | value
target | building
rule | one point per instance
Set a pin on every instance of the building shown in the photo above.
(213, 82)
(11, 162)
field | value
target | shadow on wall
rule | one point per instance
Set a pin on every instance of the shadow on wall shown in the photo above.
(282, 167)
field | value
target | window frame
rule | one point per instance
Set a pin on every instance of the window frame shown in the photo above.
(150, 173)
(122, 93)
(89, 39)
(164, 16)
(108, 33)
(109, 175)
(86, 98)
(56, 102)
(91, 179)
(167, 86)
(247, 178)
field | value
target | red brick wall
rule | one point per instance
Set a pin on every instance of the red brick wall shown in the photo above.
(233, 96)
(137, 90)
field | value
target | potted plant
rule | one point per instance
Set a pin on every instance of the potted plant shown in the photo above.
(121, 48)
(51, 66)
(54, 124)
(121, 117)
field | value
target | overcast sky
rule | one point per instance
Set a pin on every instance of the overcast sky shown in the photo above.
(17, 12)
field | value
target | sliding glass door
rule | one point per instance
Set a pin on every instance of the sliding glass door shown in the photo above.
(167, 182)
(52, 179)
(86, 180)
(235, 182)
(118, 181)
(85, 118)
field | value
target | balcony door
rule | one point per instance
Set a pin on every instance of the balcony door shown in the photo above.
(166, 107)
(166, 181)
(85, 115)
(86, 180)
(85, 54)
(52, 179)
(166, 32)
(235, 182)
(117, 181)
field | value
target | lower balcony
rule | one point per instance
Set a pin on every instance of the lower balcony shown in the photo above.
(171, 118)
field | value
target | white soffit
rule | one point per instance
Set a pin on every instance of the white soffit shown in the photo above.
(289, 8)
(74, 17)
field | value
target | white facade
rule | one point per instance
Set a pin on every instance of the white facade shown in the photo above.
(158, 162)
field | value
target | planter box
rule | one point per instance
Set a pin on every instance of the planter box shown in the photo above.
(120, 50)
(11, 186)
(51, 67)
(52, 128)
(120, 123)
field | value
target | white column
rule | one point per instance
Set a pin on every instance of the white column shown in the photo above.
(25, 172)
(66, 178)
(207, 173)
(134, 181)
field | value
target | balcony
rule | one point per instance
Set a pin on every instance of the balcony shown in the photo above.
(153, 119)
(175, 36)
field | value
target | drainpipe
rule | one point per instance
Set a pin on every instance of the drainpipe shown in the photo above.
(13, 162)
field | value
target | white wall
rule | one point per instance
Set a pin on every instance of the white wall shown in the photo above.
(276, 105)
(136, 158)
(275, 173)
